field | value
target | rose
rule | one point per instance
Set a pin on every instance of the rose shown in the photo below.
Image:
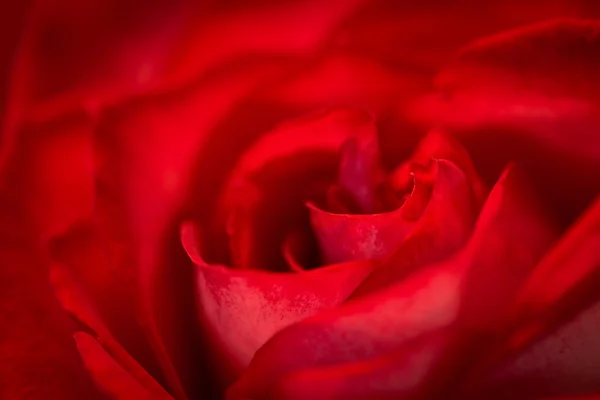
(158, 178)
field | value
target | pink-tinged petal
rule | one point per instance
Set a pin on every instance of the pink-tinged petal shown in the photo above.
(392, 376)
(348, 237)
(442, 229)
(242, 309)
(530, 94)
(360, 330)
(108, 374)
(74, 300)
(264, 197)
(38, 359)
(152, 145)
(429, 300)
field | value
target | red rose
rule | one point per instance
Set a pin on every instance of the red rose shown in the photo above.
(348, 235)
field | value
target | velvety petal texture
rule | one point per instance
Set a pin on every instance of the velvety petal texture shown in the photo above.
(243, 309)
(433, 299)
(205, 248)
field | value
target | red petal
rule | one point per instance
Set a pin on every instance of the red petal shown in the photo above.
(431, 299)
(569, 270)
(530, 94)
(360, 170)
(276, 176)
(351, 80)
(560, 286)
(400, 33)
(291, 28)
(73, 299)
(444, 228)
(439, 145)
(108, 374)
(347, 237)
(54, 171)
(243, 308)
(75, 55)
(151, 146)
(522, 233)
(37, 357)
(562, 363)
(392, 376)
(369, 327)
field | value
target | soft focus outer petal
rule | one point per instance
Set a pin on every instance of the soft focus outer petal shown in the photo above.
(242, 309)
(427, 301)
(108, 374)
(92, 53)
(38, 359)
(530, 94)
(149, 146)
(344, 78)
(53, 170)
(75, 301)
(292, 28)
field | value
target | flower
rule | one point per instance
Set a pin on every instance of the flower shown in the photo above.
(265, 202)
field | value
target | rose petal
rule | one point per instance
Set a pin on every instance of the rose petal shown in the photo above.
(570, 267)
(97, 263)
(437, 144)
(274, 178)
(243, 308)
(392, 376)
(360, 170)
(291, 28)
(37, 356)
(530, 94)
(74, 300)
(399, 33)
(54, 170)
(428, 300)
(348, 237)
(149, 183)
(562, 363)
(86, 54)
(552, 299)
(360, 330)
(506, 256)
(500, 263)
(349, 79)
(444, 228)
(114, 380)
